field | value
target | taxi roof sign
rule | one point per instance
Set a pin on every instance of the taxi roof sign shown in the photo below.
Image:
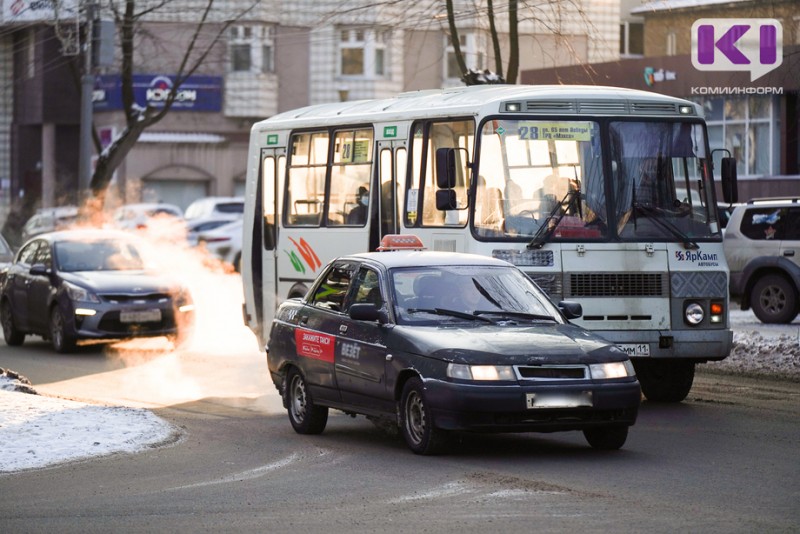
(400, 242)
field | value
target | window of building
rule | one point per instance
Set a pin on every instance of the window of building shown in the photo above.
(672, 44)
(472, 46)
(747, 128)
(363, 52)
(251, 49)
(631, 38)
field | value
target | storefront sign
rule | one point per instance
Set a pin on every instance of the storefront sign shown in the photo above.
(196, 93)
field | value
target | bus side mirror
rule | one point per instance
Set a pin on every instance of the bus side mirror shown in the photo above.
(446, 200)
(445, 168)
(730, 189)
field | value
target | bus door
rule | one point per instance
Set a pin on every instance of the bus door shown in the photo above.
(273, 167)
(391, 174)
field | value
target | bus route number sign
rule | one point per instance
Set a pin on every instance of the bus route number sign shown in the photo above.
(555, 131)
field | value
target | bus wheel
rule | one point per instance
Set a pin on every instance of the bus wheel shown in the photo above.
(665, 380)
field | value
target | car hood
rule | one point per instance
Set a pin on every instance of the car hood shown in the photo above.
(506, 344)
(127, 282)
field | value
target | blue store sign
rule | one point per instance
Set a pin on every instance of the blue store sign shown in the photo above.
(196, 93)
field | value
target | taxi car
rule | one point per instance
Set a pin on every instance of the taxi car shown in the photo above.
(439, 342)
(76, 285)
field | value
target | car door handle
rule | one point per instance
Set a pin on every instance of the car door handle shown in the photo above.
(788, 252)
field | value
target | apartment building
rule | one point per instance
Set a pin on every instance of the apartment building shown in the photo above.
(274, 56)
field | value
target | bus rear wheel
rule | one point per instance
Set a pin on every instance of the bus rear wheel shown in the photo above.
(665, 380)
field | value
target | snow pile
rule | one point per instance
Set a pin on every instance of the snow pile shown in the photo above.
(37, 431)
(756, 354)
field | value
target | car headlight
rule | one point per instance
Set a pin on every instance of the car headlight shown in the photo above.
(612, 370)
(80, 294)
(480, 372)
(693, 313)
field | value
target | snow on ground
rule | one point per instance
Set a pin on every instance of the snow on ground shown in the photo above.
(38, 431)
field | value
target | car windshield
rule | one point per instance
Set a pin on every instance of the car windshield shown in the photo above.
(430, 295)
(101, 255)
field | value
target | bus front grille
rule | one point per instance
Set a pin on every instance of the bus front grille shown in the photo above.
(616, 285)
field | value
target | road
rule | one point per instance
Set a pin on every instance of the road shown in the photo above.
(723, 461)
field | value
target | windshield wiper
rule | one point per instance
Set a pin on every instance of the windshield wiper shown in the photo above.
(521, 315)
(666, 225)
(451, 313)
(552, 221)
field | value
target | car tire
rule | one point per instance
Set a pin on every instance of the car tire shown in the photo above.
(63, 342)
(606, 438)
(774, 299)
(13, 337)
(305, 416)
(665, 380)
(416, 420)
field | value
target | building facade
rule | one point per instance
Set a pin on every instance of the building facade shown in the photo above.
(273, 57)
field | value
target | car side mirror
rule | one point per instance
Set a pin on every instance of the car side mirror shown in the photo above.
(571, 309)
(368, 312)
(39, 269)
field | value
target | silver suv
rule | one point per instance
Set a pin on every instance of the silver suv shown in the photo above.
(762, 247)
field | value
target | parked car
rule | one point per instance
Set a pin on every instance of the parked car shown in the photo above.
(139, 216)
(89, 285)
(215, 206)
(196, 227)
(438, 342)
(6, 254)
(762, 248)
(49, 220)
(224, 243)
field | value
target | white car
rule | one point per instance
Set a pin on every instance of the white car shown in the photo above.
(224, 242)
(215, 206)
(49, 220)
(138, 216)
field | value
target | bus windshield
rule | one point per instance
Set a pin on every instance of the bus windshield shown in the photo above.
(660, 182)
(544, 180)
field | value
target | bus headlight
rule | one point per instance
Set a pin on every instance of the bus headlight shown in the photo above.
(693, 313)
(480, 372)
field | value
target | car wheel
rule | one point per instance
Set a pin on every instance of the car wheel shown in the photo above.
(665, 380)
(305, 416)
(12, 336)
(416, 420)
(63, 342)
(607, 438)
(774, 299)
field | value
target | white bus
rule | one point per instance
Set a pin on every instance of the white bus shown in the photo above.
(601, 195)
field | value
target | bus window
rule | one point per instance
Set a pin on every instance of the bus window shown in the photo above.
(350, 177)
(305, 188)
(450, 134)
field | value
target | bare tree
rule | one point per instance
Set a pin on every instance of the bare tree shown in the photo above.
(471, 77)
(139, 118)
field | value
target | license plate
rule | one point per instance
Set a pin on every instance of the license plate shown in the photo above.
(140, 316)
(558, 400)
(635, 349)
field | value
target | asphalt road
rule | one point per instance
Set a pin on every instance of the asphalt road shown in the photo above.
(723, 461)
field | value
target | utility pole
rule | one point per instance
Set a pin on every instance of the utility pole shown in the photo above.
(87, 88)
